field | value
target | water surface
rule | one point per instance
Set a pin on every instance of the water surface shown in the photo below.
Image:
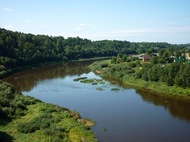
(127, 115)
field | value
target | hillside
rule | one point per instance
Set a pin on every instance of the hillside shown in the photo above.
(19, 49)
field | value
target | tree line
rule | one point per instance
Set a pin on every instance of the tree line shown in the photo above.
(160, 68)
(173, 74)
(20, 49)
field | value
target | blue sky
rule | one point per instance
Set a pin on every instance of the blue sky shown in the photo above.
(131, 20)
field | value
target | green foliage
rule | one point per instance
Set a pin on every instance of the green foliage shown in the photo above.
(114, 70)
(92, 81)
(100, 65)
(99, 89)
(154, 73)
(165, 56)
(12, 103)
(80, 78)
(7, 94)
(29, 118)
(2, 70)
(173, 74)
(115, 89)
(44, 121)
(19, 49)
(170, 78)
(155, 60)
(132, 64)
(119, 59)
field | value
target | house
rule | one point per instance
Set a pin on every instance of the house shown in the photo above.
(146, 58)
(178, 60)
(140, 56)
(187, 57)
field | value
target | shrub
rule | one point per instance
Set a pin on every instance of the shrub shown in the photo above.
(132, 64)
(27, 127)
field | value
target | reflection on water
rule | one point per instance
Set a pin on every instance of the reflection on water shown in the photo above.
(26, 80)
(127, 115)
(177, 108)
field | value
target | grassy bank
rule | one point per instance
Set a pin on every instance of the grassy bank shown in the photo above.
(125, 72)
(23, 118)
(159, 88)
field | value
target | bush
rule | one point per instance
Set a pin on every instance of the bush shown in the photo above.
(7, 93)
(104, 65)
(28, 127)
(9, 111)
(132, 64)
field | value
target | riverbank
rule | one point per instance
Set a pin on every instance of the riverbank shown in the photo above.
(24, 118)
(6, 72)
(125, 74)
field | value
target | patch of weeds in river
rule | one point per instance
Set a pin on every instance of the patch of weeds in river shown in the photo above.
(94, 83)
(115, 89)
(79, 78)
(102, 82)
(99, 89)
(105, 129)
(87, 81)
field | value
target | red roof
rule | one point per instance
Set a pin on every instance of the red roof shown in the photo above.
(146, 57)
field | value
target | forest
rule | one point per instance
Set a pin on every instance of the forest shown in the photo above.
(19, 49)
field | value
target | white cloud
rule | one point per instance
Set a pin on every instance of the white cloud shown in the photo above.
(9, 27)
(179, 29)
(28, 21)
(120, 34)
(159, 30)
(7, 9)
(141, 34)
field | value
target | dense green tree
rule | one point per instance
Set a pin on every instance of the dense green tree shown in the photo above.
(178, 54)
(154, 60)
(19, 49)
(186, 76)
(154, 73)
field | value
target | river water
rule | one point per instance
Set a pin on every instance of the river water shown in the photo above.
(125, 115)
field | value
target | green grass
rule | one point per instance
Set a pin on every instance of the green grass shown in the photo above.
(23, 118)
(46, 122)
(125, 74)
(160, 88)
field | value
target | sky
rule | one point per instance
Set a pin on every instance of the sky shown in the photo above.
(130, 20)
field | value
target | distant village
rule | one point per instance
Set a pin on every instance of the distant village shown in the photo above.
(181, 57)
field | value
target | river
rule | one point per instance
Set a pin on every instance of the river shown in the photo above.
(123, 115)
